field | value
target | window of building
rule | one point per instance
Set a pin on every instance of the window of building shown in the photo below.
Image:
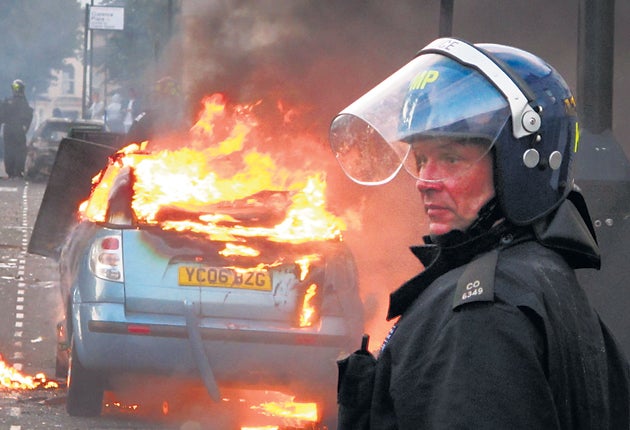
(67, 79)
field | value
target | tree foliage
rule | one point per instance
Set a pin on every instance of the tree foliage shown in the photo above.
(36, 36)
(130, 53)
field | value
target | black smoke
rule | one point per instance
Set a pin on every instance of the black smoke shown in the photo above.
(322, 55)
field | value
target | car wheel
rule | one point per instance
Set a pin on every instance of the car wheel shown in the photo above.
(85, 388)
(29, 168)
(62, 350)
(61, 363)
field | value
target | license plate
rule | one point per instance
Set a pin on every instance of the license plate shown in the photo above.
(224, 277)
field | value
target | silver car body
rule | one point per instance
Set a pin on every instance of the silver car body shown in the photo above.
(143, 300)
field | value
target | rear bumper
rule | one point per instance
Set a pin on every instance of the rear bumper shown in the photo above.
(213, 334)
(41, 158)
(243, 352)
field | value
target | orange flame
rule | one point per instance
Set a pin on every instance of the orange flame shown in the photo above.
(305, 263)
(13, 379)
(232, 249)
(289, 410)
(308, 310)
(215, 177)
(261, 428)
(120, 406)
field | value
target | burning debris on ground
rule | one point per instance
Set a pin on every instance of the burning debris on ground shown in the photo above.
(13, 379)
(242, 409)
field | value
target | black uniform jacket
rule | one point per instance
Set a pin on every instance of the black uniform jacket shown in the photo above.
(16, 114)
(495, 333)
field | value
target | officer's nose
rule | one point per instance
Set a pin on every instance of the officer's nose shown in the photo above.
(428, 174)
(425, 185)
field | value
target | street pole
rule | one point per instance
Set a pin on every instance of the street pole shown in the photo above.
(91, 54)
(596, 41)
(84, 94)
(446, 18)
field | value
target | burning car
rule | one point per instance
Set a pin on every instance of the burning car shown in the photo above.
(42, 147)
(214, 263)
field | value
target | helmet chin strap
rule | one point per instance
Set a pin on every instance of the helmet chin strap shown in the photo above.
(489, 215)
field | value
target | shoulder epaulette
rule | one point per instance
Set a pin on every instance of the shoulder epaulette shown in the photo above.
(477, 282)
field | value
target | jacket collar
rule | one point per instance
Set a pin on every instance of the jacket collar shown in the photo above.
(444, 253)
(567, 230)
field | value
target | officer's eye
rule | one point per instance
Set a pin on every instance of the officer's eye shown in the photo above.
(421, 161)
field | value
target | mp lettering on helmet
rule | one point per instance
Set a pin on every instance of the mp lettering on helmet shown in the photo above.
(424, 78)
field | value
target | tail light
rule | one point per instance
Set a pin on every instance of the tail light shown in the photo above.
(106, 258)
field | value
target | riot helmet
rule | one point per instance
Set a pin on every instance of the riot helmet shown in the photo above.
(17, 86)
(166, 87)
(166, 100)
(505, 101)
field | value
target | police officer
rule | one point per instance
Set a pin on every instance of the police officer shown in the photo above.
(16, 114)
(495, 332)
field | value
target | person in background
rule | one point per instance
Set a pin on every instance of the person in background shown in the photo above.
(114, 114)
(132, 109)
(495, 332)
(97, 108)
(16, 115)
(163, 114)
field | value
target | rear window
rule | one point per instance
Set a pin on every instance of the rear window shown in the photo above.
(54, 131)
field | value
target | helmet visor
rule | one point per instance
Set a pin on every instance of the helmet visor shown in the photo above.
(435, 116)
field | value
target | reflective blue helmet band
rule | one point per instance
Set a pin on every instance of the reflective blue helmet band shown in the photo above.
(525, 120)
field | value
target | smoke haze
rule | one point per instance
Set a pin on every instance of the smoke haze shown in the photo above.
(319, 56)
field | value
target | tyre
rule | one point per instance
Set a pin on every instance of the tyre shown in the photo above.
(29, 168)
(61, 363)
(62, 351)
(85, 388)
